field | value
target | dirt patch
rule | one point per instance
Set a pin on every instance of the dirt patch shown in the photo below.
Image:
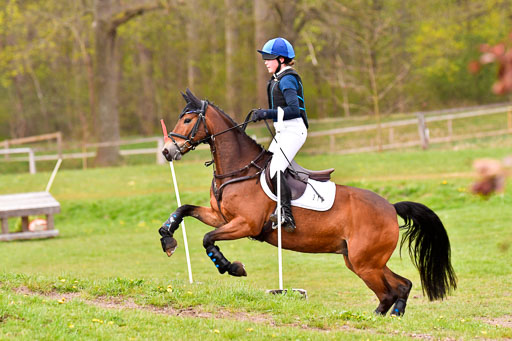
(191, 312)
(128, 303)
(503, 321)
(421, 336)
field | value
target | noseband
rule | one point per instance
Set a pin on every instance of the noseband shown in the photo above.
(190, 144)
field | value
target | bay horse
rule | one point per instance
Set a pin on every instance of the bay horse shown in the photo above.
(361, 225)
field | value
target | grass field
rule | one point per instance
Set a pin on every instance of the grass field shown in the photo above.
(106, 277)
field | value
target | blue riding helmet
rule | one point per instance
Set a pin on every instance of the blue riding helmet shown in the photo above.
(277, 47)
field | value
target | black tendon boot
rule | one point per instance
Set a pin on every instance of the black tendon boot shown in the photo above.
(287, 221)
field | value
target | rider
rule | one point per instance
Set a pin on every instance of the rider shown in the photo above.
(284, 90)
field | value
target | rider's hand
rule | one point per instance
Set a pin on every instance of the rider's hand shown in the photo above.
(259, 114)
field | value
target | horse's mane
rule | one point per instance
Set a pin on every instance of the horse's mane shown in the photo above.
(194, 103)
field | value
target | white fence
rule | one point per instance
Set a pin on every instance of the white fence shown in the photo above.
(29, 151)
(422, 138)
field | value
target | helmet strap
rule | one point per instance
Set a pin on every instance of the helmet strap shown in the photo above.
(279, 66)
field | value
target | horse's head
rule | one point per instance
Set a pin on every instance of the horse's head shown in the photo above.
(190, 130)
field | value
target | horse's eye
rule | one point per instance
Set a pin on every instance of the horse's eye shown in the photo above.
(187, 120)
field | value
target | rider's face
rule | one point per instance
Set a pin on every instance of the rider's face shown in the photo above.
(271, 65)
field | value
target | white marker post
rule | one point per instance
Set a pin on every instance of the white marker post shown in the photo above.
(182, 223)
(175, 183)
(52, 177)
(280, 116)
(279, 125)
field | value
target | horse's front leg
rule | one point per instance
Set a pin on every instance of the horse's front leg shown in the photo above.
(235, 229)
(204, 214)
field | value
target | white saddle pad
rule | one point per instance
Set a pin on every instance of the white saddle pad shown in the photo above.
(309, 199)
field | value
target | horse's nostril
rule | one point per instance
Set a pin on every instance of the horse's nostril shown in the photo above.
(165, 151)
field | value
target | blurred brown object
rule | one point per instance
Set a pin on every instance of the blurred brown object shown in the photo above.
(491, 175)
(502, 55)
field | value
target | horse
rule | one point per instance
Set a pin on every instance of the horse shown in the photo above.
(361, 225)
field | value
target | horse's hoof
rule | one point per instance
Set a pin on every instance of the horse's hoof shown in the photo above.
(169, 245)
(399, 308)
(237, 269)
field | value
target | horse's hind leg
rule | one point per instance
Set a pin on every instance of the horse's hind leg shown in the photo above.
(402, 286)
(389, 287)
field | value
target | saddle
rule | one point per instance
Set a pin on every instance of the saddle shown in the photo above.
(297, 178)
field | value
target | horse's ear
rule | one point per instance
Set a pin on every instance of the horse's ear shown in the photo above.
(193, 99)
(185, 97)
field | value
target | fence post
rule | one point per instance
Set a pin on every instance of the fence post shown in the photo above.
(59, 144)
(31, 161)
(332, 143)
(509, 119)
(450, 129)
(423, 130)
(391, 135)
(159, 156)
(6, 146)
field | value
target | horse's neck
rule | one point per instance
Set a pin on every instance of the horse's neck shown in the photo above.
(233, 150)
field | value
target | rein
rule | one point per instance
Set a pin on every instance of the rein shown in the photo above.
(190, 144)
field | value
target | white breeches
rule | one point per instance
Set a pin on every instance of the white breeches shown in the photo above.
(291, 138)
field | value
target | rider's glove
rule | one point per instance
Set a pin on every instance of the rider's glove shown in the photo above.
(259, 114)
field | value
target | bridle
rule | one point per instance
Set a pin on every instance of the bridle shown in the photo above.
(190, 144)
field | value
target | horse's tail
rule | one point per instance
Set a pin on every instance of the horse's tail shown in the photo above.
(431, 252)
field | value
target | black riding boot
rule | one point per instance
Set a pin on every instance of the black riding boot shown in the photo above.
(287, 221)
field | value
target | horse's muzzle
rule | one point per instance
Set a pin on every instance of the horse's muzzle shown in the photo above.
(171, 153)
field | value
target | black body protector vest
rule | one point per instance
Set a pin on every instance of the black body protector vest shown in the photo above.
(276, 97)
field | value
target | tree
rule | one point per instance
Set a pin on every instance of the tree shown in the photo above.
(108, 16)
(262, 32)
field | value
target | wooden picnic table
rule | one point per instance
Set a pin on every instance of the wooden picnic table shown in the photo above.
(24, 205)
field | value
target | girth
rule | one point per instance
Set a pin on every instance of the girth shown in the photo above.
(260, 163)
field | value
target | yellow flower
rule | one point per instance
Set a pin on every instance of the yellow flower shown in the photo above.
(63, 280)
(71, 326)
(216, 331)
(249, 329)
(97, 320)
(444, 182)
(110, 323)
(62, 300)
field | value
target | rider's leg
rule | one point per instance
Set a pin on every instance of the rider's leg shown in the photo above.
(287, 219)
(291, 138)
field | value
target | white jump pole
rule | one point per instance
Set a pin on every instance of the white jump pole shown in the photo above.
(278, 126)
(280, 116)
(175, 183)
(182, 223)
(52, 177)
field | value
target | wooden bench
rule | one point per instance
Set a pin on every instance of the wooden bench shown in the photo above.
(24, 205)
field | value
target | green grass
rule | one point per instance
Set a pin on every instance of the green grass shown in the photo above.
(108, 252)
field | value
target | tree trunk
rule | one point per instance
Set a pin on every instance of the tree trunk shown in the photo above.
(147, 104)
(107, 90)
(288, 13)
(232, 80)
(18, 126)
(192, 47)
(108, 15)
(261, 13)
